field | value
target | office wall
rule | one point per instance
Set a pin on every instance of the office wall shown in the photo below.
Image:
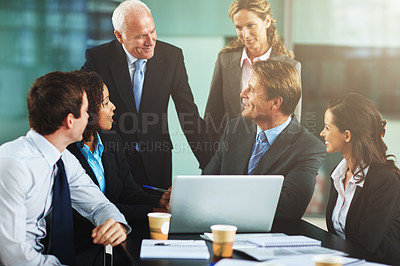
(350, 46)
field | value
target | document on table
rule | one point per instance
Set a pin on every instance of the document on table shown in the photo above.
(261, 253)
(284, 241)
(241, 239)
(304, 260)
(174, 249)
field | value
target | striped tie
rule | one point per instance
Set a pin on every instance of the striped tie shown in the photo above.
(261, 142)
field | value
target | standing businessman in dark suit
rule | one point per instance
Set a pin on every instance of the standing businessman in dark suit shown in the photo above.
(141, 74)
(268, 140)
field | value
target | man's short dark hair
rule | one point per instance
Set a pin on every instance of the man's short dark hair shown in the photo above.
(51, 98)
(279, 79)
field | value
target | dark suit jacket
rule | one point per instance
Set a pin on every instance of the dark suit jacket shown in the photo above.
(121, 188)
(224, 101)
(165, 76)
(296, 154)
(373, 220)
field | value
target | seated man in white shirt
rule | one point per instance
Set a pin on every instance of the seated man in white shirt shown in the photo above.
(32, 174)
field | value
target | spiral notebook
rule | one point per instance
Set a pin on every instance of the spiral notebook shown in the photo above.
(174, 249)
(285, 241)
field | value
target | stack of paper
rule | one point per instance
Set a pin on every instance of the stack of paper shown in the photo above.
(261, 254)
(306, 260)
(174, 249)
(284, 241)
(241, 239)
(266, 248)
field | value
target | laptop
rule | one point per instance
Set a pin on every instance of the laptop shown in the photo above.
(246, 201)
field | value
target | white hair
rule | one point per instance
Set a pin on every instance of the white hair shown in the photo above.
(118, 17)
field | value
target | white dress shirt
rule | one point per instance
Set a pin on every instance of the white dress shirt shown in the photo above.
(246, 65)
(27, 171)
(345, 196)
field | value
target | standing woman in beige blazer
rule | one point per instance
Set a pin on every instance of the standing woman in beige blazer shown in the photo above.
(257, 40)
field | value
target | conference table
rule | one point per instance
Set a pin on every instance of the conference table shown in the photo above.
(288, 227)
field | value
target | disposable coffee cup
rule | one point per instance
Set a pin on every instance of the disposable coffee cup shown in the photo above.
(159, 224)
(327, 260)
(223, 237)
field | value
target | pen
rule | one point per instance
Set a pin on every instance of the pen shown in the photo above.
(156, 188)
(162, 244)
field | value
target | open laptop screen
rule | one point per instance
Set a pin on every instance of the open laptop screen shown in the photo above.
(246, 201)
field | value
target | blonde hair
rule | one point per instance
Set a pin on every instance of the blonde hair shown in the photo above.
(263, 10)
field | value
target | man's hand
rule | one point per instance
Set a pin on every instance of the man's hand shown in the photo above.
(110, 233)
(164, 201)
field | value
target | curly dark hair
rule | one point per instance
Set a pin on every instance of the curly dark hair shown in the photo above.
(93, 84)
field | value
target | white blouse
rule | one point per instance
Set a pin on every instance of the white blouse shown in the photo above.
(345, 196)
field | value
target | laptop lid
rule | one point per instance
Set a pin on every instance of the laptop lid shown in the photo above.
(246, 201)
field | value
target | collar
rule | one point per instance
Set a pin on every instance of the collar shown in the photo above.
(263, 57)
(98, 149)
(339, 174)
(273, 133)
(130, 58)
(46, 148)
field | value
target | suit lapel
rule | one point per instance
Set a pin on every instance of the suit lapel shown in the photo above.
(244, 144)
(154, 70)
(78, 154)
(122, 80)
(233, 98)
(353, 204)
(331, 204)
(108, 159)
(278, 148)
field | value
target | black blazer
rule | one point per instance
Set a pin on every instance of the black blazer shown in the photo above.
(121, 189)
(296, 154)
(373, 220)
(165, 77)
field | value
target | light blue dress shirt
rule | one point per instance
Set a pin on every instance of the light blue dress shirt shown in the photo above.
(27, 170)
(272, 134)
(94, 160)
(130, 59)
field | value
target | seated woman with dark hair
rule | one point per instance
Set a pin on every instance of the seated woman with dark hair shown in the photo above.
(364, 203)
(102, 156)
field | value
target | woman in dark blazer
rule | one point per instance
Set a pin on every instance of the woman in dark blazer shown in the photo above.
(364, 203)
(258, 40)
(101, 154)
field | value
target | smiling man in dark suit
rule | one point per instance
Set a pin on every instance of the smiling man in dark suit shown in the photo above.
(141, 74)
(269, 140)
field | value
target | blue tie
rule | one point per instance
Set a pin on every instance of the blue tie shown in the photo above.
(261, 142)
(138, 78)
(62, 228)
